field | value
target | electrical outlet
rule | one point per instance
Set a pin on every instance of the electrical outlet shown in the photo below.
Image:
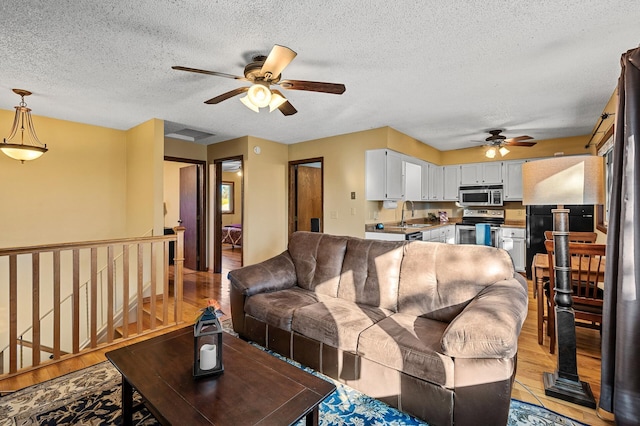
(353, 211)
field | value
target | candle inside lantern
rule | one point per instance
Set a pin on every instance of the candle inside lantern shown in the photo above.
(208, 357)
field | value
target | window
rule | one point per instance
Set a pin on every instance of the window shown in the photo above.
(226, 194)
(605, 149)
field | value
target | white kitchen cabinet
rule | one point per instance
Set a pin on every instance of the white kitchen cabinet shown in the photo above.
(512, 175)
(384, 175)
(451, 182)
(436, 182)
(481, 173)
(412, 181)
(513, 241)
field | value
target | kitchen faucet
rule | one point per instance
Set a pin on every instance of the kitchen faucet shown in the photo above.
(404, 204)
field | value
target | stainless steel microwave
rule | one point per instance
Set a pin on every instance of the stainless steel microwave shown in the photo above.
(481, 196)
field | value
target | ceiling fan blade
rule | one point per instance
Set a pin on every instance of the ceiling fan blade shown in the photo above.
(227, 95)
(217, 74)
(285, 108)
(521, 143)
(518, 139)
(313, 86)
(278, 59)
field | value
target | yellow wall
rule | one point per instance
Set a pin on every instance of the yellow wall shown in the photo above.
(145, 156)
(543, 148)
(265, 194)
(343, 173)
(76, 191)
(184, 149)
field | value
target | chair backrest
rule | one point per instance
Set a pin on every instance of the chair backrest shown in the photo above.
(575, 237)
(587, 272)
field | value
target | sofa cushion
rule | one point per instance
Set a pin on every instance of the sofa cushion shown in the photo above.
(438, 280)
(409, 344)
(336, 322)
(370, 272)
(318, 260)
(277, 308)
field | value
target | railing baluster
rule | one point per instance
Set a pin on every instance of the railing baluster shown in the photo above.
(76, 302)
(56, 305)
(140, 283)
(152, 288)
(165, 285)
(13, 313)
(110, 277)
(94, 297)
(125, 291)
(35, 312)
(178, 273)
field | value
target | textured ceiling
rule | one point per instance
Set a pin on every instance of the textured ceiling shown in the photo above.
(442, 72)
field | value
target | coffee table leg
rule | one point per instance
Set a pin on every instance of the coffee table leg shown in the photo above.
(312, 417)
(127, 403)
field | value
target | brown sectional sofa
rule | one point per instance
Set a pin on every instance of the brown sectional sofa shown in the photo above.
(429, 328)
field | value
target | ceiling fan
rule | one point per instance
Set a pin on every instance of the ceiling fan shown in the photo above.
(498, 143)
(263, 72)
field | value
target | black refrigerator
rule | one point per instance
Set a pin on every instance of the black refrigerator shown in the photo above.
(540, 219)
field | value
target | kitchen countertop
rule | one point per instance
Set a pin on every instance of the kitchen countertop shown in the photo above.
(515, 223)
(394, 228)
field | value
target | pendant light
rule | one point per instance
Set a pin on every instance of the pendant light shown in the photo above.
(23, 143)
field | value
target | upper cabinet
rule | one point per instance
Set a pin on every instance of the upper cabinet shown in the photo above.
(512, 173)
(412, 181)
(451, 182)
(481, 173)
(431, 182)
(384, 175)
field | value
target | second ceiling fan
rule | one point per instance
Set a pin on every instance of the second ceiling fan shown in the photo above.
(498, 143)
(263, 72)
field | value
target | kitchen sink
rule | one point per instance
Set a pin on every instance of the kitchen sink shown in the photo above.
(409, 226)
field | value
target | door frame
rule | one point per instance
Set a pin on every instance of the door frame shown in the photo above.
(217, 212)
(293, 193)
(201, 170)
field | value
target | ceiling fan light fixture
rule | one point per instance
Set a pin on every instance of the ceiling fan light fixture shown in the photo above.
(247, 102)
(23, 144)
(276, 101)
(491, 152)
(503, 151)
(259, 95)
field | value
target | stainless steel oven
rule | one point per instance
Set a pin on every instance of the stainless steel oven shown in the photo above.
(466, 230)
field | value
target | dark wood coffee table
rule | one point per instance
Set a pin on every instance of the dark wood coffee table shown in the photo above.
(255, 388)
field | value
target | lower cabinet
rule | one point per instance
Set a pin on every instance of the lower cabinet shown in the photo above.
(513, 241)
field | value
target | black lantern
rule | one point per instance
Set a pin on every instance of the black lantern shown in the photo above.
(207, 342)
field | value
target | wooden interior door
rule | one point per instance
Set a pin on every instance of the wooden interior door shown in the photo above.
(189, 215)
(309, 202)
(306, 194)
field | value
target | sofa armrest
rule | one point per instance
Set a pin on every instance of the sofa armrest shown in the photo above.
(490, 324)
(277, 273)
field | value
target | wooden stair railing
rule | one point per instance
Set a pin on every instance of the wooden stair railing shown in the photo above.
(50, 271)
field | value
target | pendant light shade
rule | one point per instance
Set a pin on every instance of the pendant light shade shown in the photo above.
(491, 153)
(22, 143)
(259, 95)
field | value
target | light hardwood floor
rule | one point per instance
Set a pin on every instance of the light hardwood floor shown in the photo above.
(533, 359)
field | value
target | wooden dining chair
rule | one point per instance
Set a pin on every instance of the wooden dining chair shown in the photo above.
(587, 282)
(575, 237)
(543, 302)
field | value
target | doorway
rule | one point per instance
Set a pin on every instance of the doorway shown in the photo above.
(184, 205)
(228, 210)
(306, 189)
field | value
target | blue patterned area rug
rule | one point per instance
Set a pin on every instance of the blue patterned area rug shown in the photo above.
(92, 397)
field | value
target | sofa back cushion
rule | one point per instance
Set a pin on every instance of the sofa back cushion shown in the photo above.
(438, 280)
(371, 272)
(318, 260)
